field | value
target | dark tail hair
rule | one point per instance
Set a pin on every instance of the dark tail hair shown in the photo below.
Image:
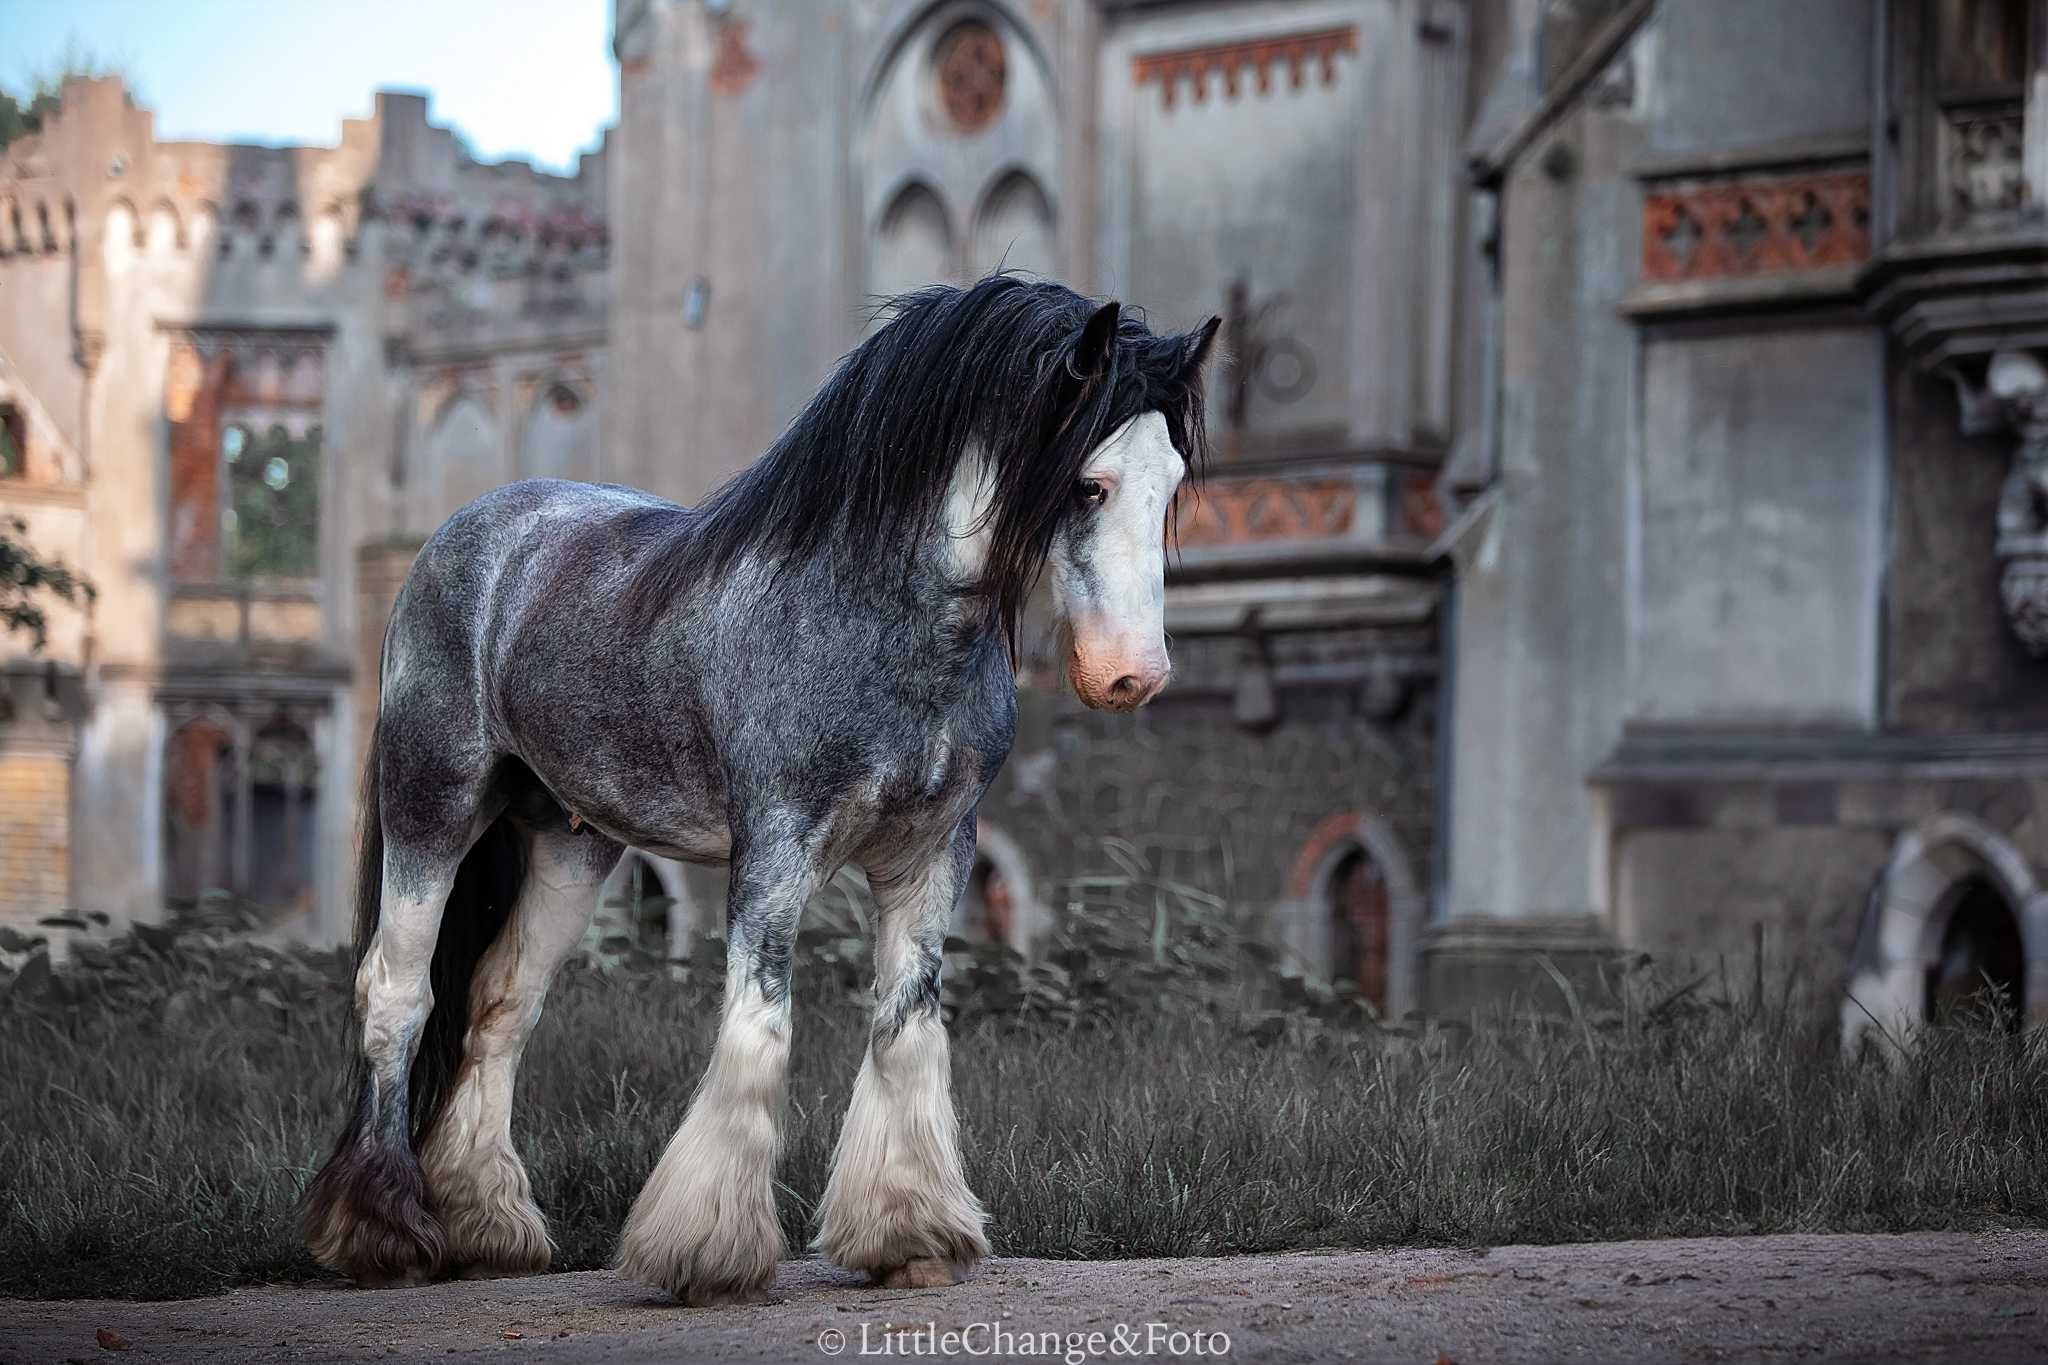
(368, 1212)
(486, 887)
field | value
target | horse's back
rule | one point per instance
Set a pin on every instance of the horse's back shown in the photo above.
(498, 557)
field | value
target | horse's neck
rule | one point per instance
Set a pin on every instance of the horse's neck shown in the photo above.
(967, 524)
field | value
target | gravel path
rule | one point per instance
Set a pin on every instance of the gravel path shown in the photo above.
(1927, 1296)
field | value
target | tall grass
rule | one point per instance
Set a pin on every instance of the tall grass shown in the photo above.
(161, 1105)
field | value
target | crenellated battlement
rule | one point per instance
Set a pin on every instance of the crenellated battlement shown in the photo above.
(95, 179)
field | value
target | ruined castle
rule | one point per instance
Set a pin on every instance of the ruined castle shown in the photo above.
(1628, 527)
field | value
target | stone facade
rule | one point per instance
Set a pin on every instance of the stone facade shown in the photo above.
(1752, 626)
(230, 367)
(1628, 530)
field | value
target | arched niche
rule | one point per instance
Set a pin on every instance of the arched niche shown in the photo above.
(206, 231)
(913, 245)
(326, 242)
(1013, 228)
(1000, 901)
(241, 817)
(1951, 887)
(463, 457)
(560, 437)
(121, 236)
(1354, 908)
(199, 808)
(166, 230)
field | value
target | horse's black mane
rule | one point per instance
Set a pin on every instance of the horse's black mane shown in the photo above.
(863, 472)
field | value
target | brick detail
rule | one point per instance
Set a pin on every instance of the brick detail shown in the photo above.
(35, 835)
(1240, 511)
(1756, 226)
(192, 401)
(1334, 830)
(1295, 52)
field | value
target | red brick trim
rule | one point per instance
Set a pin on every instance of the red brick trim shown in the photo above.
(1756, 226)
(1294, 51)
(1334, 831)
(1239, 511)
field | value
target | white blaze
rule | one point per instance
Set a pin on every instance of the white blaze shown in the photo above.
(1108, 570)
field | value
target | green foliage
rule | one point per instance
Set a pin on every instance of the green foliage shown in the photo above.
(27, 580)
(41, 90)
(19, 118)
(274, 499)
(168, 1093)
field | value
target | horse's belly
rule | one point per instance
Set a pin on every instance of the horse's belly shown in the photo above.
(704, 844)
(643, 807)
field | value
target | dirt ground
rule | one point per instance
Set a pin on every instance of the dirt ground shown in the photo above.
(1930, 1296)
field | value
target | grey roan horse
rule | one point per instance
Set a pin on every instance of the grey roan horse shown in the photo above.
(811, 669)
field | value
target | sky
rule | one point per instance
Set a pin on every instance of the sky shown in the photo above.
(517, 78)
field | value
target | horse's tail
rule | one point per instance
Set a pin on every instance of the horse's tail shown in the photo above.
(367, 1211)
(487, 885)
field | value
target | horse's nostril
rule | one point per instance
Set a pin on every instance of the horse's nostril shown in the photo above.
(1127, 688)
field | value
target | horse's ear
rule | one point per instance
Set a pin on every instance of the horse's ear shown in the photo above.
(1097, 342)
(1200, 343)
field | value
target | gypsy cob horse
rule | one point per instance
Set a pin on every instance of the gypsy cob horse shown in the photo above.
(812, 668)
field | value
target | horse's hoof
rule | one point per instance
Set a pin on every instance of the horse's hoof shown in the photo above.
(488, 1244)
(485, 1270)
(379, 1237)
(927, 1272)
(725, 1296)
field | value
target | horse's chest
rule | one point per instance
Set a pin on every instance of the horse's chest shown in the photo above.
(926, 790)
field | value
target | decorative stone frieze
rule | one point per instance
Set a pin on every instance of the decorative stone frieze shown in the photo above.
(1983, 163)
(1294, 53)
(1242, 511)
(1756, 225)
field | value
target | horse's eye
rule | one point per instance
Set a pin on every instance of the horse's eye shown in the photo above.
(1092, 492)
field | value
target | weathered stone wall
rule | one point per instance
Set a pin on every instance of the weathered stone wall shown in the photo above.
(1183, 792)
(1951, 661)
(1541, 635)
(1702, 866)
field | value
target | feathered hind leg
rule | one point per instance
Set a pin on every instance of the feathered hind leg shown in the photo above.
(366, 1212)
(897, 1204)
(477, 1185)
(430, 852)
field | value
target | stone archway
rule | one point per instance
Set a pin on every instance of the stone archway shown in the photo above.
(1000, 901)
(1934, 920)
(1352, 895)
(240, 813)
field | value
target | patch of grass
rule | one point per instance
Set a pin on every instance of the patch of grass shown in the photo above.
(162, 1104)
